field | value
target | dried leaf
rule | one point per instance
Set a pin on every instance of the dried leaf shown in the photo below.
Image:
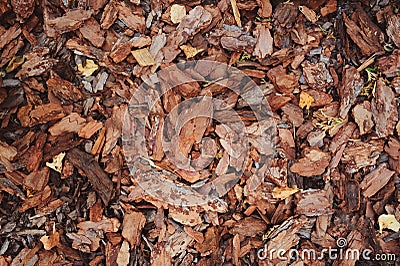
(283, 192)
(57, 162)
(177, 13)
(190, 51)
(15, 62)
(388, 221)
(51, 241)
(89, 68)
(306, 100)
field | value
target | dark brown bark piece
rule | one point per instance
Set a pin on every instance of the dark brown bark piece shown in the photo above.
(294, 114)
(393, 26)
(390, 65)
(9, 35)
(95, 174)
(23, 8)
(64, 90)
(317, 75)
(364, 33)
(351, 86)
(46, 113)
(265, 8)
(384, 109)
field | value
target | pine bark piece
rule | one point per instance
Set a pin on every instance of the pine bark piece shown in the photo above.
(23, 8)
(159, 255)
(265, 42)
(36, 63)
(9, 35)
(46, 113)
(317, 75)
(314, 162)
(248, 226)
(361, 154)
(189, 216)
(393, 26)
(266, 8)
(390, 65)
(70, 21)
(342, 137)
(364, 33)
(284, 83)
(132, 16)
(64, 90)
(309, 13)
(143, 57)
(384, 110)
(132, 227)
(351, 86)
(294, 114)
(109, 16)
(38, 199)
(88, 130)
(320, 98)
(363, 117)
(313, 203)
(69, 124)
(329, 8)
(95, 174)
(91, 30)
(374, 181)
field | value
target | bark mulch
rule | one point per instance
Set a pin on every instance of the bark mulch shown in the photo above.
(329, 69)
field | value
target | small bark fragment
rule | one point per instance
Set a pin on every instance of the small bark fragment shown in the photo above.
(375, 180)
(97, 177)
(384, 109)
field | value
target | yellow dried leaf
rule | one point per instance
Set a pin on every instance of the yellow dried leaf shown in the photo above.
(388, 221)
(57, 162)
(51, 241)
(143, 57)
(177, 13)
(305, 100)
(14, 63)
(89, 68)
(236, 13)
(29, 193)
(283, 192)
(190, 51)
